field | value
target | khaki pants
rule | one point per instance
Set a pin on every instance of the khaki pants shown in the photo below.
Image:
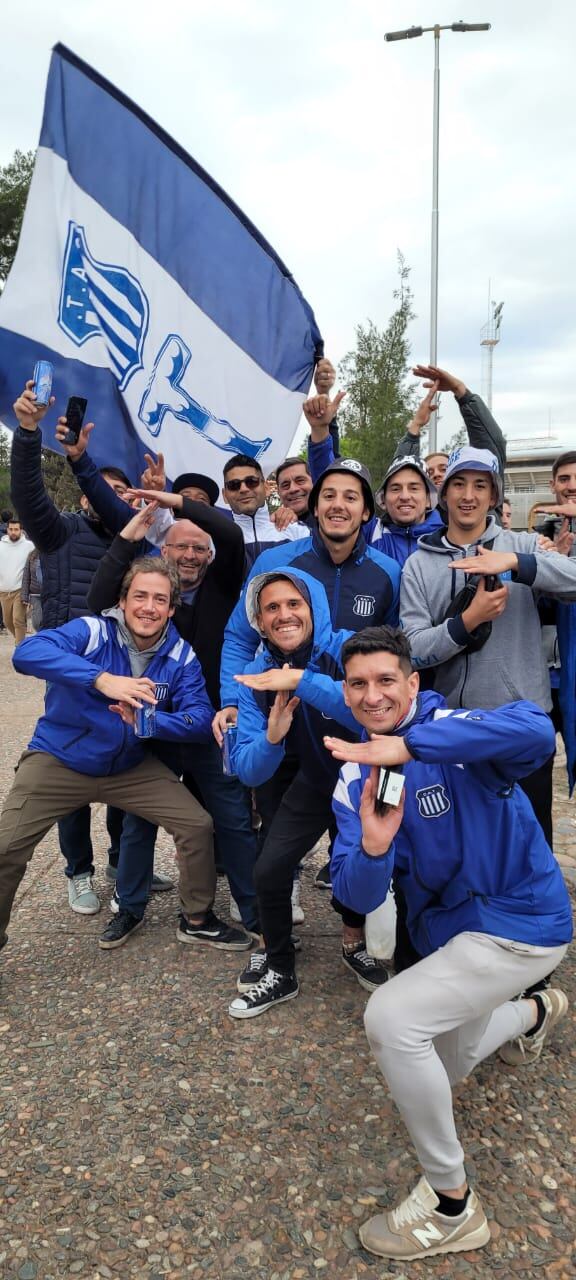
(46, 790)
(14, 614)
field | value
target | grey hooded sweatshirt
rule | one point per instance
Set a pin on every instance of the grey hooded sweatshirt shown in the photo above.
(511, 665)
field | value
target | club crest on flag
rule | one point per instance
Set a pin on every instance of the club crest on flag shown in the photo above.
(433, 801)
(153, 296)
(97, 299)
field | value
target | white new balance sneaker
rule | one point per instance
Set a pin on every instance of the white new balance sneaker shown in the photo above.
(415, 1229)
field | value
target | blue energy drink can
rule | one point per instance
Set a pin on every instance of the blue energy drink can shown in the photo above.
(145, 716)
(228, 744)
(43, 375)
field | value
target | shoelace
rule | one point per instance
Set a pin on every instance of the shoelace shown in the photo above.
(258, 962)
(366, 960)
(411, 1210)
(265, 986)
(83, 884)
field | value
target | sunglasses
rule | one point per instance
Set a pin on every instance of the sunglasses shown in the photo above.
(250, 482)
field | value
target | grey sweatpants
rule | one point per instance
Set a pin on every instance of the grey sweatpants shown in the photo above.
(430, 1026)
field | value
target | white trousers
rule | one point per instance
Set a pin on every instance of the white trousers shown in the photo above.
(430, 1026)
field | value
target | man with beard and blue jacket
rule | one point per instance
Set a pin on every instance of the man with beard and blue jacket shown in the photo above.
(279, 751)
(80, 751)
(488, 911)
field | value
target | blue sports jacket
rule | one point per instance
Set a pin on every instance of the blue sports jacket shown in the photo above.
(470, 854)
(361, 592)
(254, 759)
(77, 726)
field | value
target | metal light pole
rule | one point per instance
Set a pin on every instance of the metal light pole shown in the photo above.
(410, 34)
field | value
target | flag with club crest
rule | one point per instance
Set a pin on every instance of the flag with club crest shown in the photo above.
(151, 293)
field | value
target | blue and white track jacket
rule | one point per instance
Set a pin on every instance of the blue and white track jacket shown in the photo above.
(77, 726)
(470, 854)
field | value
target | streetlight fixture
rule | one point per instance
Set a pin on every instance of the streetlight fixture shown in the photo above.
(410, 33)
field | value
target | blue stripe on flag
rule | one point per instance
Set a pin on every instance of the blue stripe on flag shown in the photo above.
(182, 218)
(114, 441)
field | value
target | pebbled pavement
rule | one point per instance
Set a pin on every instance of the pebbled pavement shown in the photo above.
(143, 1134)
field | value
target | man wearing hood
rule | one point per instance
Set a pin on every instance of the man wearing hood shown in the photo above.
(279, 751)
(487, 909)
(468, 604)
(81, 752)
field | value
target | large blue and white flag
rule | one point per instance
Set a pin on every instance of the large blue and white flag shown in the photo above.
(151, 293)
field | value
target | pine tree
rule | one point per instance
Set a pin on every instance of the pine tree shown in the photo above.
(378, 404)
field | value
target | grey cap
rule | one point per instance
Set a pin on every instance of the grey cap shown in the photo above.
(399, 464)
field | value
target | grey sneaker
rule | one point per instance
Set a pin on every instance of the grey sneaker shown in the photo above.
(160, 883)
(525, 1050)
(81, 896)
(415, 1229)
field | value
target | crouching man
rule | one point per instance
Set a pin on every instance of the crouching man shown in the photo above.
(487, 909)
(100, 672)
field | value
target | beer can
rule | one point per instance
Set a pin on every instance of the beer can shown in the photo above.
(145, 716)
(228, 744)
(43, 374)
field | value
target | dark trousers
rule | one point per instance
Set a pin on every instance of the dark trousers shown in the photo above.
(228, 803)
(297, 822)
(538, 787)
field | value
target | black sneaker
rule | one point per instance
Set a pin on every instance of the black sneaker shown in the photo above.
(323, 879)
(368, 971)
(254, 971)
(213, 933)
(118, 930)
(273, 988)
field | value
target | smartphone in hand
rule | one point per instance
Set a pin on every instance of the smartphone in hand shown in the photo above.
(75, 410)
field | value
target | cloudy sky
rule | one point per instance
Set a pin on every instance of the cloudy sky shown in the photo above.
(322, 133)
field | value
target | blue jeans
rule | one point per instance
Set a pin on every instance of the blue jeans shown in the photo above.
(76, 842)
(135, 861)
(228, 803)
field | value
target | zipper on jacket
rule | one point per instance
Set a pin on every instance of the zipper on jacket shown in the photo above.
(336, 598)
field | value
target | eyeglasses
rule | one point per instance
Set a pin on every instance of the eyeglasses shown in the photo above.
(251, 482)
(188, 546)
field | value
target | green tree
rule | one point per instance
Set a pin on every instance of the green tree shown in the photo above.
(378, 404)
(15, 180)
(5, 500)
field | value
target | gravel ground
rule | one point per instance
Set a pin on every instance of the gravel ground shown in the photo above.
(143, 1134)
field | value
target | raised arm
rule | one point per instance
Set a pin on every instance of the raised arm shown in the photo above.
(409, 445)
(45, 526)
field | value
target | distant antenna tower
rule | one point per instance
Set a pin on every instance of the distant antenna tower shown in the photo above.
(489, 338)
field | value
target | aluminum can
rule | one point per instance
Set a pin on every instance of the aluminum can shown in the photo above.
(43, 375)
(145, 716)
(228, 744)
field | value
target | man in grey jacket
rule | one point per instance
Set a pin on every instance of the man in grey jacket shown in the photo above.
(486, 650)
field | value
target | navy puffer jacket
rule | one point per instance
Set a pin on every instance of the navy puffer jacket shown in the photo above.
(71, 544)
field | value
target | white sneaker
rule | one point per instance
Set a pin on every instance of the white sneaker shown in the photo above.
(526, 1050)
(235, 910)
(297, 910)
(81, 896)
(415, 1228)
